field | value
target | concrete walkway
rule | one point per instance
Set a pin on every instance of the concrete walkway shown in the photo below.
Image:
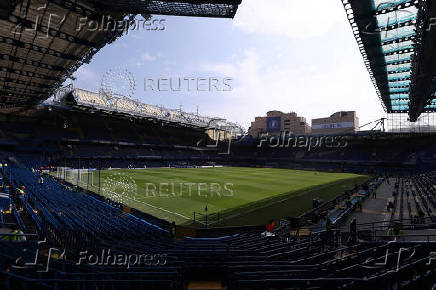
(374, 209)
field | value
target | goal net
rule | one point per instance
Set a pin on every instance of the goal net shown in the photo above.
(81, 177)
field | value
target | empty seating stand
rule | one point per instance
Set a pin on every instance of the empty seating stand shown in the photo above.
(74, 221)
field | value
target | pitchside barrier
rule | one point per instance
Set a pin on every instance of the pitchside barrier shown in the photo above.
(218, 218)
(206, 220)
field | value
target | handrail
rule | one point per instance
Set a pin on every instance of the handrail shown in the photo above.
(387, 221)
(407, 235)
(17, 234)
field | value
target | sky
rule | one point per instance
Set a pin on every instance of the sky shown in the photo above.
(287, 55)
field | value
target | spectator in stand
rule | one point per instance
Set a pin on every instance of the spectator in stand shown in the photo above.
(415, 219)
(396, 231)
(20, 190)
(20, 196)
(421, 216)
(20, 238)
(328, 224)
(270, 226)
(7, 265)
(328, 234)
(359, 205)
(173, 231)
(348, 202)
(41, 180)
(390, 206)
(17, 231)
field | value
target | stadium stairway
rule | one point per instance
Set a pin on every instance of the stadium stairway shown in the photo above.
(373, 209)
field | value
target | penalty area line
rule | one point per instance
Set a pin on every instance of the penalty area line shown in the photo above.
(152, 206)
(162, 209)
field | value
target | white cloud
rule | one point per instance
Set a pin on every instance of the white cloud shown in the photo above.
(141, 58)
(312, 91)
(145, 56)
(86, 78)
(290, 18)
(85, 72)
(311, 66)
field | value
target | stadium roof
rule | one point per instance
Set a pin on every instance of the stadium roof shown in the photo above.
(41, 44)
(396, 40)
(70, 97)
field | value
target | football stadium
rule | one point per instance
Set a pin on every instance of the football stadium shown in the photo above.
(107, 186)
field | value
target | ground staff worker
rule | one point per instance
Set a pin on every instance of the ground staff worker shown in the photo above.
(17, 236)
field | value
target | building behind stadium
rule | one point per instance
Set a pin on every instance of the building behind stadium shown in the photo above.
(339, 122)
(277, 123)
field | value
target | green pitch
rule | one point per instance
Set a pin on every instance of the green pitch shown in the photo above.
(242, 196)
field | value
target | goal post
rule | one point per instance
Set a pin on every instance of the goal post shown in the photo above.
(81, 177)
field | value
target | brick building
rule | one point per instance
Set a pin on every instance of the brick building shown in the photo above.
(276, 123)
(339, 122)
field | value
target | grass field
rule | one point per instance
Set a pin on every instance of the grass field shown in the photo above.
(242, 196)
